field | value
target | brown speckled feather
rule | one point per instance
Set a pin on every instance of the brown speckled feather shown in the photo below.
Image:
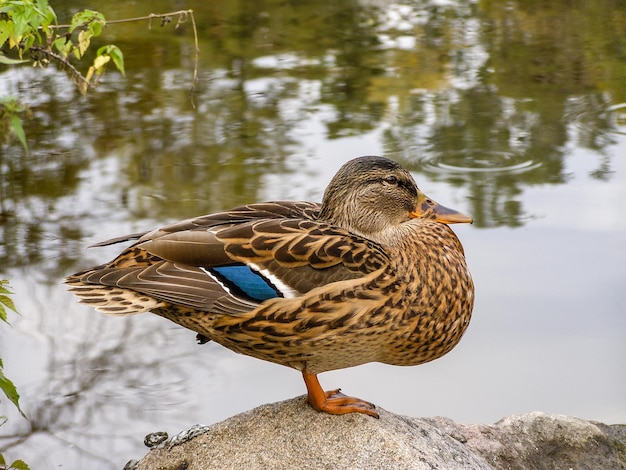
(169, 264)
(361, 309)
(374, 273)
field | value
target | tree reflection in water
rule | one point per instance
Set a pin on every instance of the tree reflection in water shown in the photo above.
(101, 377)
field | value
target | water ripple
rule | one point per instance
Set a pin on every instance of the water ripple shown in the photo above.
(479, 162)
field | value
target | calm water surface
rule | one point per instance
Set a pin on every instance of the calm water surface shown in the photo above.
(514, 112)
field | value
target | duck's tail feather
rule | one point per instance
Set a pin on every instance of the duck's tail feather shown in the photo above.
(123, 238)
(112, 300)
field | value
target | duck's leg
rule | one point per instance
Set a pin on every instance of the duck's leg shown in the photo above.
(334, 402)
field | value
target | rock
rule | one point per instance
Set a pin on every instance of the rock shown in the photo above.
(290, 434)
(541, 441)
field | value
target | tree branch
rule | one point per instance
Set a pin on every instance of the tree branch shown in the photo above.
(183, 16)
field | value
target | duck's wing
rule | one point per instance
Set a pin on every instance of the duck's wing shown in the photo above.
(246, 213)
(231, 264)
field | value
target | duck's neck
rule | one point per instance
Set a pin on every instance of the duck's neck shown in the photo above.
(417, 232)
(356, 216)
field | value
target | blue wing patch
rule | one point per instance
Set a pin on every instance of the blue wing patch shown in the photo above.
(243, 281)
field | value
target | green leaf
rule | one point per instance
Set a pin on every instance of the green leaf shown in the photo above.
(116, 55)
(78, 20)
(9, 390)
(96, 28)
(2, 461)
(8, 302)
(16, 126)
(3, 313)
(5, 302)
(8, 61)
(64, 46)
(13, 104)
(85, 17)
(19, 465)
(6, 30)
(59, 45)
(118, 59)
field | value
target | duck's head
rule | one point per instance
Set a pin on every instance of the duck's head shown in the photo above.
(371, 194)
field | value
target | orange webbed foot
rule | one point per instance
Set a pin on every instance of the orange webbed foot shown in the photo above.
(335, 402)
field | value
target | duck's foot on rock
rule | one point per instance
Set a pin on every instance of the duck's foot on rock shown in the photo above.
(335, 402)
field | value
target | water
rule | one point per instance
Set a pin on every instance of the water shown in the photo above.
(516, 115)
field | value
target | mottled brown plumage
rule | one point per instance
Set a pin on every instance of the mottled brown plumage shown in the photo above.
(373, 274)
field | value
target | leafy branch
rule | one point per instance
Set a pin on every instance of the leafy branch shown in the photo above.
(30, 26)
(182, 17)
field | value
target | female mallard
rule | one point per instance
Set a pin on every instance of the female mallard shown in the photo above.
(373, 274)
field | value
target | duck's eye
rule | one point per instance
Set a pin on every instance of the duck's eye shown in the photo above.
(391, 180)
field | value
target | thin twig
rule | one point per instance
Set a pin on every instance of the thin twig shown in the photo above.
(196, 51)
(151, 16)
(64, 63)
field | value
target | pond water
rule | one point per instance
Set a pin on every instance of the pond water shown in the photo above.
(514, 112)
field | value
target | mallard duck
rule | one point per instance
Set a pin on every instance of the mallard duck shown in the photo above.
(372, 274)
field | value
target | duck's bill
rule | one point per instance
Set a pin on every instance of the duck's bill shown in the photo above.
(428, 209)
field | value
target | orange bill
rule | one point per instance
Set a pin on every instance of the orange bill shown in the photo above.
(428, 209)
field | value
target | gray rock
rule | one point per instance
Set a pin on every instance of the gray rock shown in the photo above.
(291, 435)
(542, 441)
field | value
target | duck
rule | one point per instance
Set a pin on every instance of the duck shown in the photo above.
(372, 274)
